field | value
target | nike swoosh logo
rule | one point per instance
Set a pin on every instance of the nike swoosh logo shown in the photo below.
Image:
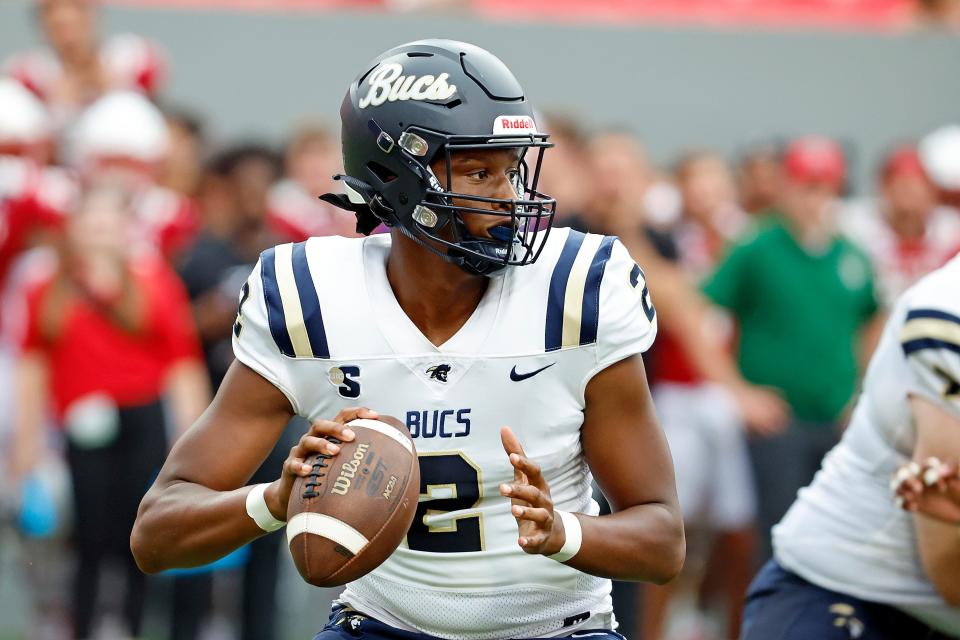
(517, 377)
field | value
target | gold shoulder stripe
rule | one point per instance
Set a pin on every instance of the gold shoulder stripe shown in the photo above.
(576, 284)
(290, 299)
(930, 328)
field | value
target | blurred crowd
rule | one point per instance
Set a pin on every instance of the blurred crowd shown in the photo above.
(126, 235)
(939, 16)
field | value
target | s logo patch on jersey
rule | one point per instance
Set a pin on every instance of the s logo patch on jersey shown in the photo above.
(346, 379)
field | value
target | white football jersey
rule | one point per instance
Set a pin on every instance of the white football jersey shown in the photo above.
(320, 321)
(844, 532)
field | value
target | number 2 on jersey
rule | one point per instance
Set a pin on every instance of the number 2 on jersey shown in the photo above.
(449, 481)
(635, 275)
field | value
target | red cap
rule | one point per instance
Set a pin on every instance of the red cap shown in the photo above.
(815, 159)
(902, 161)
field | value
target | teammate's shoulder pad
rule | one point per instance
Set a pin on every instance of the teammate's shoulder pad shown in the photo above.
(932, 319)
(930, 336)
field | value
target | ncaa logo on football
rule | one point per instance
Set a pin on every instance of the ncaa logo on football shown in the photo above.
(387, 83)
(346, 378)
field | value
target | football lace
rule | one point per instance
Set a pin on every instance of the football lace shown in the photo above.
(313, 480)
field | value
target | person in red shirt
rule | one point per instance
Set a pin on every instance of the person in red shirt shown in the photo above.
(904, 230)
(940, 153)
(109, 337)
(124, 138)
(295, 209)
(33, 201)
(700, 418)
(33, 196)
(79, 66)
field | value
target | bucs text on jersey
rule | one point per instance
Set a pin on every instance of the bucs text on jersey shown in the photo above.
(319, 320)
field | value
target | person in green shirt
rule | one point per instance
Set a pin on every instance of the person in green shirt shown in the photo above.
(801, 294)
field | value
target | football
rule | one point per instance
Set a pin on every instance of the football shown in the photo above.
(354, 509)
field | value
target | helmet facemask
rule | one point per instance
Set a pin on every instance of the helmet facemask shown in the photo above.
(438, 220)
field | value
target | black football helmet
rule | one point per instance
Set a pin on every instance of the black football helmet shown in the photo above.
(432, 97)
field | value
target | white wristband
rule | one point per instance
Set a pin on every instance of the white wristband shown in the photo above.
(571, 527)
(258, 510)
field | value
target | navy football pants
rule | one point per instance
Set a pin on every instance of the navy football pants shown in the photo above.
(784, 606)
(350, 625)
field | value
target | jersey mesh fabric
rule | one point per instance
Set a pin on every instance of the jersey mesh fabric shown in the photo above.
(481, 615)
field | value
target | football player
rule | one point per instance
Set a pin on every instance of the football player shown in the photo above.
(849, 563)
(470, 315)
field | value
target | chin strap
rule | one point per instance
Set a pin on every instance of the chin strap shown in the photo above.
(491, 250)
(361, 200)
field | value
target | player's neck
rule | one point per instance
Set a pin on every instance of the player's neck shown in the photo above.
(437, 296)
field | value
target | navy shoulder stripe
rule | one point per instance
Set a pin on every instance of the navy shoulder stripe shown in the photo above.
(309, 302)
(553, 333)
(920, 344)
(293, 306)
(931, 314)
(930, 329)
(590, 314)
(271, 295)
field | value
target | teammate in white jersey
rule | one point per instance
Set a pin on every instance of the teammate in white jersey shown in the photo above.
(849, 562)
(437, 324)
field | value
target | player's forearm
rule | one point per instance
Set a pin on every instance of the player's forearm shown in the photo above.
(31, 394)
(188, 390)
(183, 524)
(643, 543)
(938, 542)
(939, 545)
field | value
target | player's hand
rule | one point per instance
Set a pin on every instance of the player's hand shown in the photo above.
(765, 413)
(931, 488)
(311, 443)
(530, 501)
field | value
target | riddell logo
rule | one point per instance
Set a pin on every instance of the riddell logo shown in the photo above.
(516, 123)
(513, 124)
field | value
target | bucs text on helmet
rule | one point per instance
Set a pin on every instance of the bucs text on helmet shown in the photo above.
(432, 97)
